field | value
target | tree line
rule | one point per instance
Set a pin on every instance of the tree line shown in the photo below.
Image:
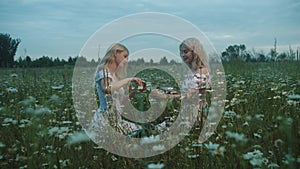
(44, 61)
(233, 53)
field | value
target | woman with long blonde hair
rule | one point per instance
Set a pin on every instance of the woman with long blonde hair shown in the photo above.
(110, 80)
(198, 80)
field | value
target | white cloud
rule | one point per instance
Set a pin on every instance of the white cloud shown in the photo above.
(215, 36)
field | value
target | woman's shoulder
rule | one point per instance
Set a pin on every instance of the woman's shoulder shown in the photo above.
(101, 73)
(203, 70)
(100, 70)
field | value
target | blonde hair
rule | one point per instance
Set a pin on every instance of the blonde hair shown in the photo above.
(110, 58)
(199, 55)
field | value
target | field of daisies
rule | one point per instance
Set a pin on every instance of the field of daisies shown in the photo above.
(259, 128)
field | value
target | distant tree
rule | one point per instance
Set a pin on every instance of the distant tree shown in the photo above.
(19, 62)
(93, 62)
(57, 62)
(132, 62)
(151, 61)
(246, 56)
(163, 61)
(72, 61)
(82, 61)
(258, 56)
(44, 61)
(273, 54)
(236, 53)
(173, 62)
(63, 62)
(140, 61)
(261, 58)
(225, 56)
(231, 53)
(282, 57)
(27, 61)
(8, 48)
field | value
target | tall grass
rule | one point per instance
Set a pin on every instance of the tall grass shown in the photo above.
(259, 128)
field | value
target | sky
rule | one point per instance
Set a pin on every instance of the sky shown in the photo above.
(58, 28)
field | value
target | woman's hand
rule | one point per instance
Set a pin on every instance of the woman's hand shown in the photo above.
(137, 80)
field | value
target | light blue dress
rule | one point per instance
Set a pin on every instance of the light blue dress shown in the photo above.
(99, 76)
(98, 120)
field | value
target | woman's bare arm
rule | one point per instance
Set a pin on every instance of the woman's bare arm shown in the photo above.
(108, 86)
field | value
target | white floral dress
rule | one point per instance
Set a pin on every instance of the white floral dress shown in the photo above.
(199, 82)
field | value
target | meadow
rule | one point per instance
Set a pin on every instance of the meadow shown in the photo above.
(259, 128)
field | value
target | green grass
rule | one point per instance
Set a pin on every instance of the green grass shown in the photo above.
(260, 126)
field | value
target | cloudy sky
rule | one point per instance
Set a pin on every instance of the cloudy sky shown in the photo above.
(58, 28)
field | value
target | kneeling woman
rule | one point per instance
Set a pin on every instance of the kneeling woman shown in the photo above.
(110, 81)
